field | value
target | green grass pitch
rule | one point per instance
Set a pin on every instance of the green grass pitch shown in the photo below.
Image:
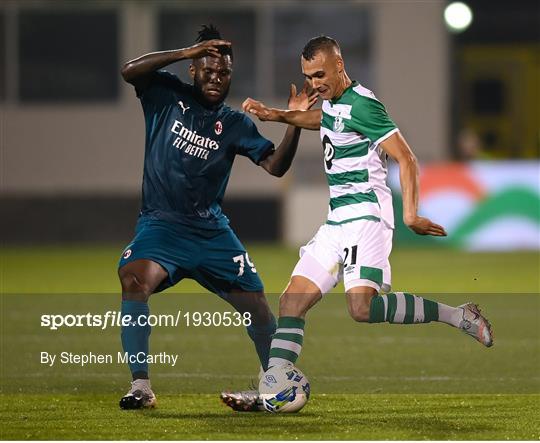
(377, 382)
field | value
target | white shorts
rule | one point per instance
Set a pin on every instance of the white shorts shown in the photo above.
(356, 252)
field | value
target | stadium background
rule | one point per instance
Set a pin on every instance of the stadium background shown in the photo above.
(72, 142)
(73, 132)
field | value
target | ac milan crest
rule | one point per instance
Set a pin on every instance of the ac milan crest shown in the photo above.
(218, 127)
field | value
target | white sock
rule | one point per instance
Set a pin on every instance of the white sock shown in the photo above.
(450, 315)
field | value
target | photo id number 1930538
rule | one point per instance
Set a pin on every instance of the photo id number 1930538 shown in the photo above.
(207, 319)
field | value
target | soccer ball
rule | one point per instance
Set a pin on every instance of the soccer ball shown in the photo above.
(284, 389)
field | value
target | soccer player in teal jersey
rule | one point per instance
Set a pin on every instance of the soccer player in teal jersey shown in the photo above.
(192, 138)
(355, 242)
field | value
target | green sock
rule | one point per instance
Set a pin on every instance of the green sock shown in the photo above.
(287, 341)
(401, 307)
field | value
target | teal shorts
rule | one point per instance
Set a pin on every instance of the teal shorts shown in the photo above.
(216, 259)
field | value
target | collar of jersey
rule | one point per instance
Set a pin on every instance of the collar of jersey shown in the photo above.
(352, 85)
(212, 110)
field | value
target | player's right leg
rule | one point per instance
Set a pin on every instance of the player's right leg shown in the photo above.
(315, 274)
(310, 280)
(139, 279)
(301, 294)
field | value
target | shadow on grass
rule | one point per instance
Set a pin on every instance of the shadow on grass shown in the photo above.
(351, 423)
(205, 416)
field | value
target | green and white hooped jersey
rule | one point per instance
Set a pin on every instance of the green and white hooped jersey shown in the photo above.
(352, 128)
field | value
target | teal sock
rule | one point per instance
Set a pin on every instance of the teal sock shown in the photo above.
(287, 341)
(135, 337)
(401, 307)
(262, 338)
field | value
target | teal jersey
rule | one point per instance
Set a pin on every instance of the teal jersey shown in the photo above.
(189, 153)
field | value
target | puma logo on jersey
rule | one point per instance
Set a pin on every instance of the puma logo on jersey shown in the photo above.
(184, 108)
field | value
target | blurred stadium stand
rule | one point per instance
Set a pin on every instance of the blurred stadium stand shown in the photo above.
(72, 132)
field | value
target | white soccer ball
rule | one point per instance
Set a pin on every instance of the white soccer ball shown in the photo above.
(284, 389)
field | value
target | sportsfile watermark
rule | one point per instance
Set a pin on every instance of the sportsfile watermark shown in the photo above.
(74, 341)
(51, 359)
(115, 319)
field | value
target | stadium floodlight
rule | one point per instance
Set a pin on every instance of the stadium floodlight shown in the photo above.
(458, 16)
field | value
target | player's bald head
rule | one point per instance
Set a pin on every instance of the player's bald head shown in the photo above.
(322, 43)
(323, 67)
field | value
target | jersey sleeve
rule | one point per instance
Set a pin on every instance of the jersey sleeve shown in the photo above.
(160, 86)
(369, 117)
(251, 143)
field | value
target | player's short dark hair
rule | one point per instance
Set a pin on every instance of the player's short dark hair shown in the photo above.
(316, 44)
(210, 32)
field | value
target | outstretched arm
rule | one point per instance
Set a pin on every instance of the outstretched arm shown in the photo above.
(307, 119)
(399, 150)
(137, 71)
(279, 162)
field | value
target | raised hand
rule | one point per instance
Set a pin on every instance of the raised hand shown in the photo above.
(304, 100)
(208, 47)
(257, 108)
(424, 226)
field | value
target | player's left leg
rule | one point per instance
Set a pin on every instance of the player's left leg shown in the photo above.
(403, 308)
(261, 331)
(262, 322)
(367, 272)
(226, 269)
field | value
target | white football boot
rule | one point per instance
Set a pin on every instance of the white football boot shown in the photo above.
(475, 324)
(244, 401)
(139, 396)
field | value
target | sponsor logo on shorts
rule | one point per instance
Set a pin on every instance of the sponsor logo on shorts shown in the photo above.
(127, 253)
(349, 269)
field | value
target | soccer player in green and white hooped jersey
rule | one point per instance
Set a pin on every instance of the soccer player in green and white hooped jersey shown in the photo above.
(355, 243)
